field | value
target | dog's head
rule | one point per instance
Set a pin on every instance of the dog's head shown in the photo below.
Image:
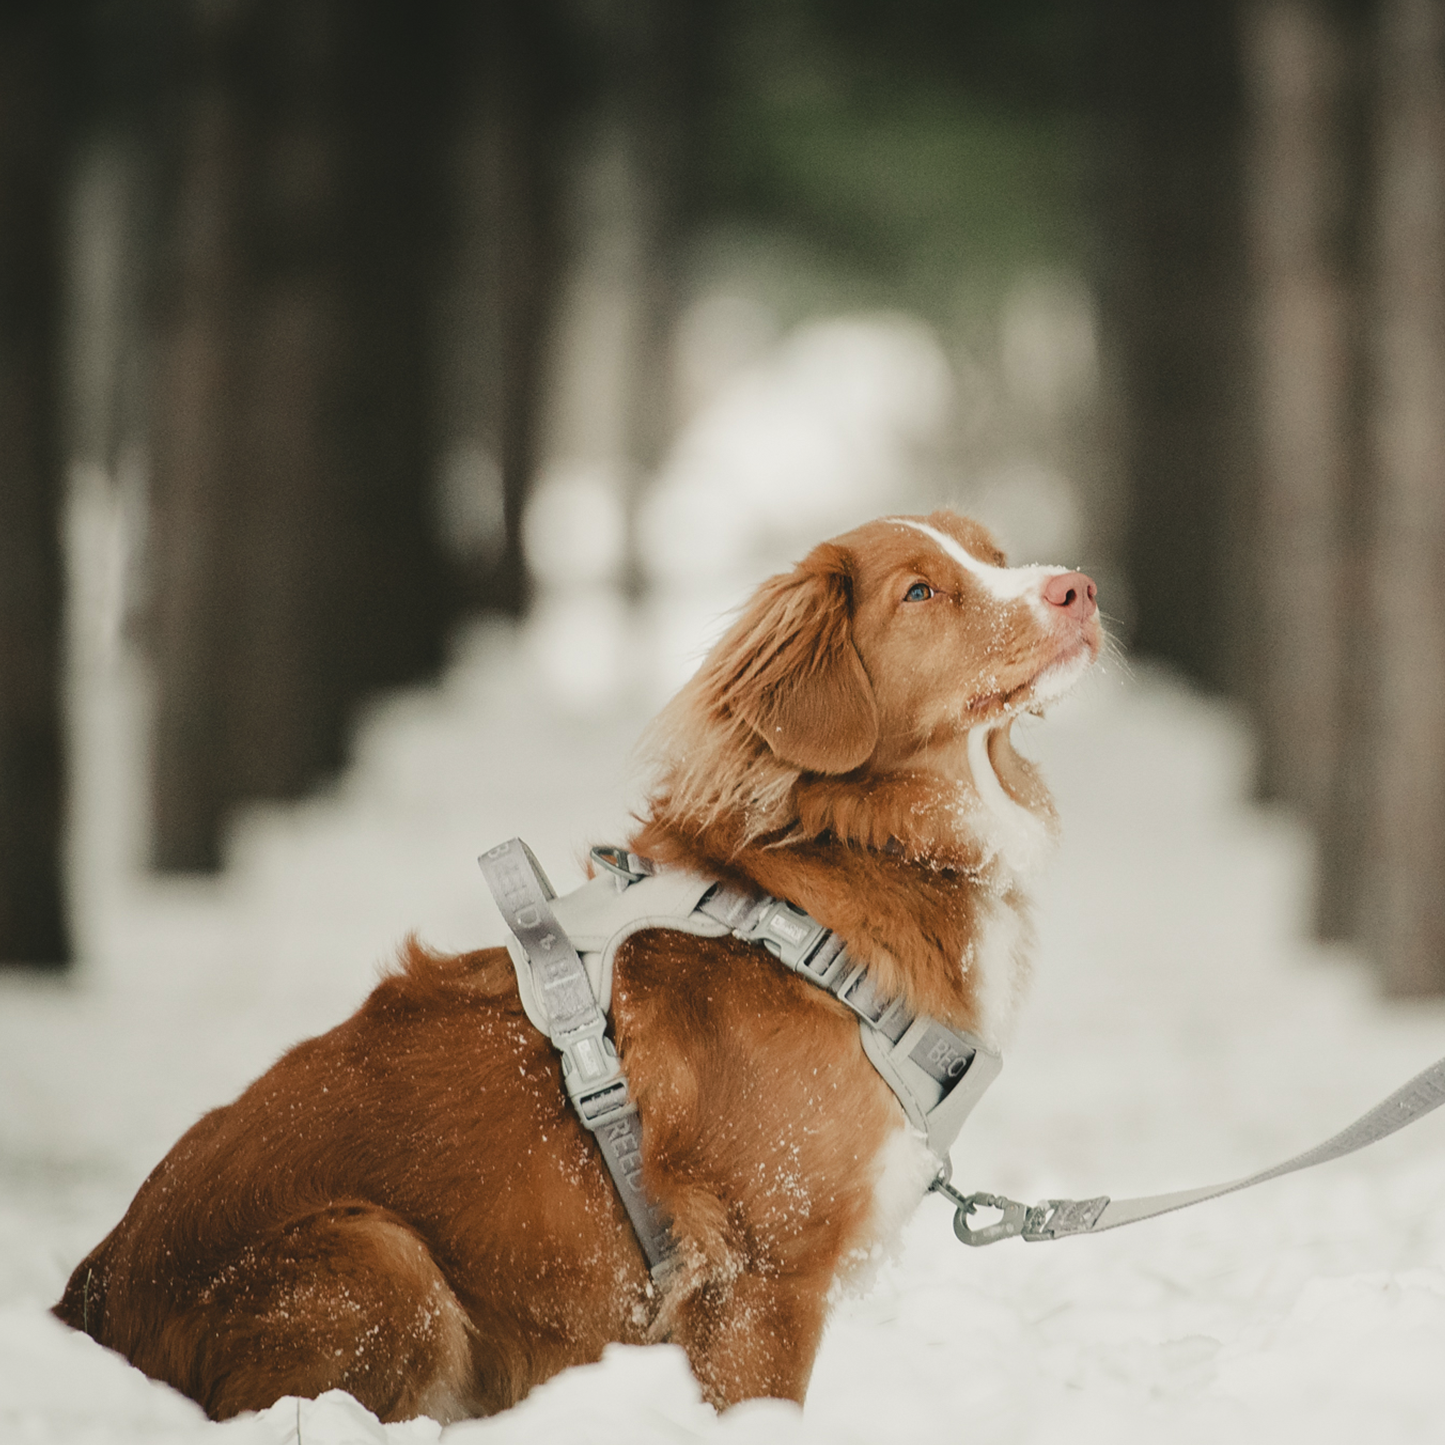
(893, 641)
(867, 694)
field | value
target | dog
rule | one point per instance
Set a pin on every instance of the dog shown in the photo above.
(407, 1207)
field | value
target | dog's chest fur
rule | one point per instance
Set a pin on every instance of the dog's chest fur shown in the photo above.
(1015, 841)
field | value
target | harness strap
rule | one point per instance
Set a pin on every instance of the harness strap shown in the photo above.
(938, 1073)
(1060, 1218)
(591, 1070)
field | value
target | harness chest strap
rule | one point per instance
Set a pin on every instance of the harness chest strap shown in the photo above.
(1051, 1218)
(782, 929)
(938, 1073)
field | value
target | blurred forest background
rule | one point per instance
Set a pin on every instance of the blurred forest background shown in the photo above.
(350, 318)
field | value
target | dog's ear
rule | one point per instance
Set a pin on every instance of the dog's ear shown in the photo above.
(790, 670)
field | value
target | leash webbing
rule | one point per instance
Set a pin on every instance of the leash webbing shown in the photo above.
(591, 1070)
(1061, 1218)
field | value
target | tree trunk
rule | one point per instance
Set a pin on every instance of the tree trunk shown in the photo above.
(340, 590)
(1303, 194)
(1404, 910)
(1175, 322)
(32, 912)
(516, 88)
(292, 528)
(395, 72)
(657, 59)
(196, 441)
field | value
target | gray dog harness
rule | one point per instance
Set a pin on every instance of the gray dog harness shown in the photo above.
(563, 950)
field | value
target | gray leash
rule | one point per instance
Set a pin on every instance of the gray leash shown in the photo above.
(578, 1029)
(1059, 1218)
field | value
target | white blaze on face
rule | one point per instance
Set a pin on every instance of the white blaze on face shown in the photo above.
(1003, 584)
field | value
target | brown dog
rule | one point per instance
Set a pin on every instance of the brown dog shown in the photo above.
(407, 1208)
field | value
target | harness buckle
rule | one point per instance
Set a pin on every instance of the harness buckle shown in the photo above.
(592, 1074)
(602, 1106)
(789, 934)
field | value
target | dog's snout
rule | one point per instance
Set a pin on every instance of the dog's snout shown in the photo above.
(1072, 592)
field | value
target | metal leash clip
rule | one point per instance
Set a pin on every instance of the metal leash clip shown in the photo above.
(1015, 1215)
(1049, 1219)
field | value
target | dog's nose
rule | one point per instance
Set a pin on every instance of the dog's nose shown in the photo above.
(1073, 593)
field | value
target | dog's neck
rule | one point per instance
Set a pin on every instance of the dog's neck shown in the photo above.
(974, 805)
(911, 867)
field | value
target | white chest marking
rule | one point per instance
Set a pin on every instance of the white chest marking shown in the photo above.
(1019, 838)
(1000, 966)
(904, 1168)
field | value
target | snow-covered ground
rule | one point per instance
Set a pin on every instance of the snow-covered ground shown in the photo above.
(1181, 1031)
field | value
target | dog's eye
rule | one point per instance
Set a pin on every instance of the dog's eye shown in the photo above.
(919, 592)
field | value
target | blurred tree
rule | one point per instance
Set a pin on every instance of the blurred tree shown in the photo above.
(195, 433)
(33, 86)
(341, 586)
(517, 78)
(657, 90)
(1306, 66)
(1402, 912)
(292, 547)
(1172, 279)
(575, 166)
(1303, 199)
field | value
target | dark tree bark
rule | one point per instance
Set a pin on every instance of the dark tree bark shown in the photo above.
(32, 774)
(195, 439)
(339, 589)
(395, 89)
(1174, 303)
(1403, 911)
(659, 58)
(1302, 59)
(539, 83)
(518, 83)
(294, 564)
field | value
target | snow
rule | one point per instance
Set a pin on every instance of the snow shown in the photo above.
(1182, 1029)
